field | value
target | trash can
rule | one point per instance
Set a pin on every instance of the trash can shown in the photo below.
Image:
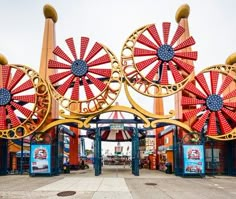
(168, 168)
(66, 168)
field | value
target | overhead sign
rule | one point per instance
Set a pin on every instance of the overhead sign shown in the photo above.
(116, 126)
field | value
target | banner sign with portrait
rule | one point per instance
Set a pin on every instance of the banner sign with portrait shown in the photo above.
(40, 159)
(193, 159)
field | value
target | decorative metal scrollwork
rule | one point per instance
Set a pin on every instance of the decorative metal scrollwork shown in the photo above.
(215, 104)
(24, 101)
(155, 68)
(90, 82)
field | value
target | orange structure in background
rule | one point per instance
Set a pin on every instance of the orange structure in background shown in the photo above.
(167, 156)
(49, 42)
(182, 19)
(159, 110)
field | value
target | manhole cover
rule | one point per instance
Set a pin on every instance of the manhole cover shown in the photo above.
(150, 184)
(66, 193)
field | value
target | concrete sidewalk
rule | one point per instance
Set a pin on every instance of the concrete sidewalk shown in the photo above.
(117, 182)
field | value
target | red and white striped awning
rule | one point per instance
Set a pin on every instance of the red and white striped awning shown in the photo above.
(109, 134)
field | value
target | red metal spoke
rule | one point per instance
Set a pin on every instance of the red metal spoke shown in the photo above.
(3, 118)
(229, 113)
(187, 55)
(147, 42)
(176, 74)
(58, 65)
(88, 91)
(59, 76)
(166, 31)
(143, 64)
(99, 84)
(144, 52)
(25, 98)
(14, 119)
(70, 43)
(26, 112)
(212, 128)
(83, 46)
(75, 90)
(95, 49)
(191, 101)
(188, 42)
(6, 72)
(65, 86)
(187, 67)
(230, 104)
(16, 78)
(193, 89)
(23, 87)
(153, 32)
(230, 95)
(225, 84)
(202, 82)
(60, 53)
(224, 125)
(150, 76)
(164, 75)
(102, 72)
(180, 30)
(101, 60)
(198, 125)
(192, 113)
(214, 80)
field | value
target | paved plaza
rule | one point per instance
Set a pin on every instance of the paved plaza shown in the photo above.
(117, 183)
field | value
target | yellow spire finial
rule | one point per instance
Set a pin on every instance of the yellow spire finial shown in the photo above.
(3, 60)
(231, 59)
(182, 12)
(50, 12)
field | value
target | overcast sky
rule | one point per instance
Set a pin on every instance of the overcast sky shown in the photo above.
(211, 23)
(110, 22)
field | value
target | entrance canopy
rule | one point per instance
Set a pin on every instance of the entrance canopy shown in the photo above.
(116, 131)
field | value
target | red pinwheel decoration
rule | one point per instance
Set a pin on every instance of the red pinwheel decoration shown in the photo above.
(159, 57)
(18, 106)
(215, 106)
(154, 67)
(83, 79)
(11, 98)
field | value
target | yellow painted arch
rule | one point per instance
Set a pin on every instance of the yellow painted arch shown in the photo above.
(62, 121)
(171, 121)
(121, 109)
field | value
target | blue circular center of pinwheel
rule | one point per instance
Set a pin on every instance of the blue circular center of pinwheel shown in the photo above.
(79, 68)
(165, 52)
(5, 96)
(214, 102)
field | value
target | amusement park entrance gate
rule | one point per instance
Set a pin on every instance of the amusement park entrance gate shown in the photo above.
(83, 86)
